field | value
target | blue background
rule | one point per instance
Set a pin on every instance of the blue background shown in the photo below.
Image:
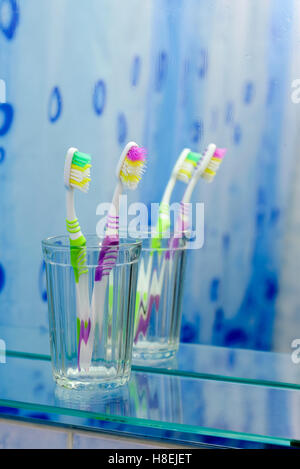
(167, 74)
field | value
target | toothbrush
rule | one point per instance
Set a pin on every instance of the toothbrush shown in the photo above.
(183, 171)
(130, 170)
(207, 168)
(77, 176)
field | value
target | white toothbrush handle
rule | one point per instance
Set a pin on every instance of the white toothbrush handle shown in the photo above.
(84, 325)
(106, 261)
(85, 313)
(98, 302)
(82, 288)
(143, 287)
(181, 226)
(109, 250)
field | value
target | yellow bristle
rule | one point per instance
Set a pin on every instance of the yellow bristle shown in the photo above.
(80, 168)
(129, 177)
(185, 172)
(209, 171)
(131, 174)
(131, 171)
(213, 166)
(207, 177)
(134, 163)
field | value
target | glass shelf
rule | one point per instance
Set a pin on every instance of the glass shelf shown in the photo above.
(192, 360)
(156, 405)
(228, 364)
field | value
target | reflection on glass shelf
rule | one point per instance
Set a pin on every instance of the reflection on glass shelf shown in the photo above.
(267, 368)
(156, 398)
(204, 408)
(159, 399)
(193, 360)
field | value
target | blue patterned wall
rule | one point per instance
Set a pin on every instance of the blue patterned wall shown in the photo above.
(168, 74)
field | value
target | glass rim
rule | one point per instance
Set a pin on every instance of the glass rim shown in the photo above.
(166, 235)
(50, 242)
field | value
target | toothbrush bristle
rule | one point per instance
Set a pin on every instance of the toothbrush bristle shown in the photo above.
(133, 167)
(137, 153)
(79, 177)
(189, 166)
(214, 164)
(220, 153)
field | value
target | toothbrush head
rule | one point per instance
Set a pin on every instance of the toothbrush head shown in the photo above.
(189, 162)
(77, 170)
(132, 165)
(213, 158)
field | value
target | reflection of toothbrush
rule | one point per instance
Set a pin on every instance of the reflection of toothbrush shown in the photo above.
(129, 173)
(77, 176)
(182, 171)
(207, 168)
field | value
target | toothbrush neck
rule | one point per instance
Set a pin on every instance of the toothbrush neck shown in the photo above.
(112, 223)
(168, 191)
(189, 190)
(71, 214)
(115, 201)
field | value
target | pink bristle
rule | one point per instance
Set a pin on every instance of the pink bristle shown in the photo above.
(137, 153)
(220, 153)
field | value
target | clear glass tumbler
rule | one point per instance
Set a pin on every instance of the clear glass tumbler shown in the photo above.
(91, 346)
(159, 299)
